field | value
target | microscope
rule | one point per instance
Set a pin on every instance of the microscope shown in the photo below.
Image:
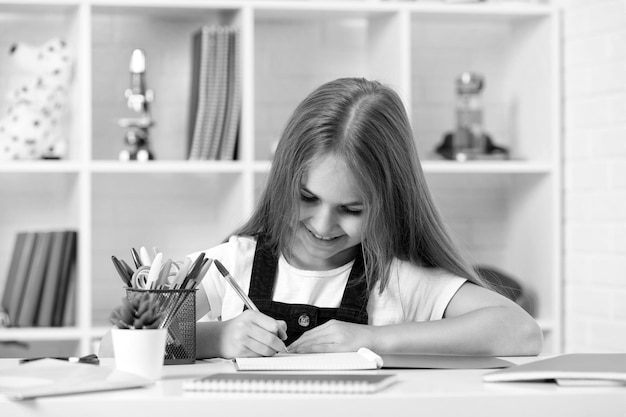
(138, 98)
(469, 141)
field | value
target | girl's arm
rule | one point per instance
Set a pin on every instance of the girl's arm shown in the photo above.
(477, 321)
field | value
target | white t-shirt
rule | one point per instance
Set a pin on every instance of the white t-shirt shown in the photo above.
(413, 293)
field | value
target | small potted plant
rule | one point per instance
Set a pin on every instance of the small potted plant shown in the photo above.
(138, 338)
(139, 311)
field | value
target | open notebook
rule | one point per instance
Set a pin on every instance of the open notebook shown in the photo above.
(340, 361)
(366, 359)
(569, 369)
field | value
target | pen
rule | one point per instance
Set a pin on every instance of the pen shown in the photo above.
(194, 269)
(90, 359)
(244, 297)
(144, 256)
(181, 274)
(136, 259)
(121, 270)
(155, 270)
(231, 281)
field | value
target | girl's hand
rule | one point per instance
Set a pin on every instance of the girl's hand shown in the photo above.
(334, 336)
(252, 334)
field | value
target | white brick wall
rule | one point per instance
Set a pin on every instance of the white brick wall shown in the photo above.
(594, 81)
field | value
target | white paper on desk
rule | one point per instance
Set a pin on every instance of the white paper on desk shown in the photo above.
(574, 369)
(341, 361)
(51, 377)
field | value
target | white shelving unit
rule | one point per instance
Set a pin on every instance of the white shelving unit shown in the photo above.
(506, 213)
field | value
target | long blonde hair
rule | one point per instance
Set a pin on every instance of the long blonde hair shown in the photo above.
(364, 123)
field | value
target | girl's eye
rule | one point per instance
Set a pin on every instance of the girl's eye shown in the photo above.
(307, 198)
(352, 211)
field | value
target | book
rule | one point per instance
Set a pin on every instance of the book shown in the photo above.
(212, 145)
(215, 99)
(210, 114)
(361, 383)
(69, 315)
(200, 66)
(233, 111)
(21, 275)
(52, 377)
(194, 93)
(9, 283)
(31, 298)
(51, 281)
(67, 273)
(411, 361)
(339, 361)
(222, 58)
(568, 369)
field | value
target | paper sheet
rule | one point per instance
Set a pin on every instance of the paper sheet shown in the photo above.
(51, 377)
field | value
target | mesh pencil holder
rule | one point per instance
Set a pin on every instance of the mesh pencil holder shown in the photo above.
(178, 308)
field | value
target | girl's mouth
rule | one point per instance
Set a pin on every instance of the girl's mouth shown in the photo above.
(322, 238)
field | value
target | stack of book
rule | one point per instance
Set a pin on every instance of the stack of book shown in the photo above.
(40, 285)
(215, 105)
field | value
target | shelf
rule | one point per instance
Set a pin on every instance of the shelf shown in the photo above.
(503, 213)
(487, 167)
(44, 167)
(429, 166)
(41, 333)
(510, 10)
(167, 167)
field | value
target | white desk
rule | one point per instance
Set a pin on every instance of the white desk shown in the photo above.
(456, 393)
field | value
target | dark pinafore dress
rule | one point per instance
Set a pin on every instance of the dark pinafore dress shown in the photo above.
(303, 317)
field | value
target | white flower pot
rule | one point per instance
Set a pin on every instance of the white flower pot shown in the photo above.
(139, 351)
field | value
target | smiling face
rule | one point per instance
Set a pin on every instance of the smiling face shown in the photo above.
(332, 213)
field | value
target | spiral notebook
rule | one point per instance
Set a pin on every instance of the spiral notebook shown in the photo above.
(314, 383)
(339, 361)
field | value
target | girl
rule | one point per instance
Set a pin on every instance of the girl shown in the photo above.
(346, 248)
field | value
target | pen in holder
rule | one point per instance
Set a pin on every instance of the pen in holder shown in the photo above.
(178, 311)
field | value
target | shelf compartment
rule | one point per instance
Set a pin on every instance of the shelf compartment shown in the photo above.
(514, 54)
(504, 221)
(36, 201)
(34, 24)
(180, 213)
(296, 49)
(165, 34)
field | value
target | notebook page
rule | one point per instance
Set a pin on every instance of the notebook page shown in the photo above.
(340, 361)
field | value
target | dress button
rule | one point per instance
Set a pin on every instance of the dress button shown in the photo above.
(304, 320)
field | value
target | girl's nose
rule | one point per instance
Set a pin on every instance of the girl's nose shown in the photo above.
(323, 221)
